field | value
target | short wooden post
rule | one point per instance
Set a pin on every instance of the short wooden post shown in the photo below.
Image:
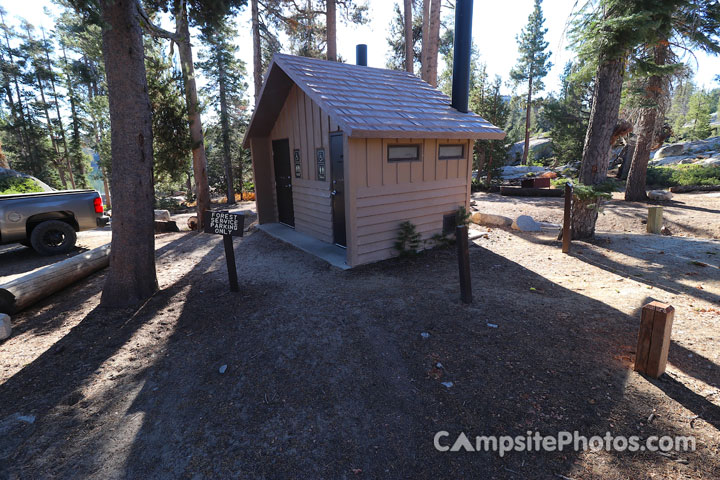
(654, 220)
(461, 236)
(566, 233)
(654, 339)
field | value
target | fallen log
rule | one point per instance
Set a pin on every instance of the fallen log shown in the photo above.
(28, 289)
(530, 192)
(695, 188)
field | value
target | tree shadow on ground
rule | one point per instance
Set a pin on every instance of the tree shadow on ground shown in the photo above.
(327, 374)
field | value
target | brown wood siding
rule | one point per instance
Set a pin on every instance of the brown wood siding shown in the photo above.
(389, 193)
(306, 126)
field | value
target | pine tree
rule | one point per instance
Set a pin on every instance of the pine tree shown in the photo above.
(693, 22)
(568, 115)
(396, 41)
(698, 116)
(227, 73)
(533, 64)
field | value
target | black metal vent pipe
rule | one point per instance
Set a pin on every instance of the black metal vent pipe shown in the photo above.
(361, 54)
(461, 56)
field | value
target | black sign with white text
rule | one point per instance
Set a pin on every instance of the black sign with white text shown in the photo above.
(224, 223)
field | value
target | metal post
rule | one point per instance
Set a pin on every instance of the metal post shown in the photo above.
(361, 54)
(230, 257)
(461, 236)
(567, 233)
(461, 62)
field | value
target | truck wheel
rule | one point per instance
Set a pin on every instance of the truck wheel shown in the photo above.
(53, 237)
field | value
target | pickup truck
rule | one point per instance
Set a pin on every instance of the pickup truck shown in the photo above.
(48, 221)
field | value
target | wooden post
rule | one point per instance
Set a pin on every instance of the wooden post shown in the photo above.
(654, 220)
(461, 236)
(566, 233)
(232, 268)
(654, 339)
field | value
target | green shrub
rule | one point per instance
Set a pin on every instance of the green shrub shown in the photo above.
(13, 185)
(167, 203)
(683, 175)
(408, 240)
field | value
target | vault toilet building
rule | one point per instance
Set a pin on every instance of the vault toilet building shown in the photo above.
(345, 153)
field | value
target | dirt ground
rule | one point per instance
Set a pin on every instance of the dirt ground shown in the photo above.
(327, 373)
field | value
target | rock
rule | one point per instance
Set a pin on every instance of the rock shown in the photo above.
(660, 195)
(525, 223)
(710, 162)
(5, 326)
(539, 148)
(222, 369)
(511, 172)
(490, 219)
(162, 215)
(679, 159)
(670, 150)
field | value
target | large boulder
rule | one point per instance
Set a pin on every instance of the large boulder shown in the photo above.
(540, 148)
(489, 219)
(660, 195)
(670, 150)
(676, 160)
(513, 172)
(162, 215)
(710, 162)
(525, 223)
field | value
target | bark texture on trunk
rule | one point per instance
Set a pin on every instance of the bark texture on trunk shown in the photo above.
(196, 133)
(408, 26)
(527, 122)
(257, 51)
(603, 117)
(425, 52)
(434, 42)
(584, 217)
(331, 24)
(596, 151)
(131, 278)
(635, 187)
(224, 124)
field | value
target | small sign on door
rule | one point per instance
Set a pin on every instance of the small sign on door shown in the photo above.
(298, 164)
(320, 153)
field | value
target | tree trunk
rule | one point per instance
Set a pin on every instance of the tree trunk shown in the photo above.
(526, 150)
(257, 51)
(225, 133)
(106, 187)
(71, 94)
(635, 187)
(66, 158)
(596, 151)
(425, 52)
(331, 24)
(196, 133)
(409, 57)
(603, 117)
(584, 217)
(131, 278)
(434, 42)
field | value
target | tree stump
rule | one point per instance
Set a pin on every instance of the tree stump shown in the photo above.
(584, 216)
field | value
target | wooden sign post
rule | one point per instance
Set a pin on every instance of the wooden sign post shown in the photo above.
(566, 231)
(228, 225)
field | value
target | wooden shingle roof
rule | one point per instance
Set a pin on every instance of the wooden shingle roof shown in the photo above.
(366, 102)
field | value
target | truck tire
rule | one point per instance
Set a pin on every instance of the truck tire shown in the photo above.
(53, 237)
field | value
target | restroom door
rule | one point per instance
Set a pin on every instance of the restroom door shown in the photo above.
(338, 188)
(283, 182)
